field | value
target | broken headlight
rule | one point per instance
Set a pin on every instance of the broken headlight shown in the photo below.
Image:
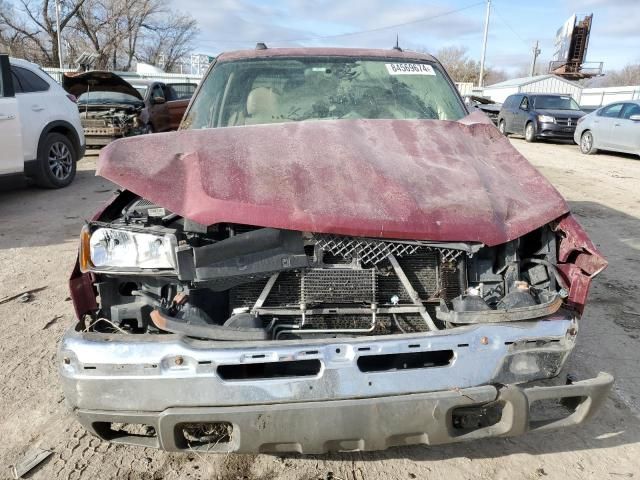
(111, 249)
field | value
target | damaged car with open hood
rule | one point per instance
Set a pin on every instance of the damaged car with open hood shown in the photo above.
(109, 106)
(330, 255)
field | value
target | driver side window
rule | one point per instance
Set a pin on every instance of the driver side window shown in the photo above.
(612, 111)
(524, 105)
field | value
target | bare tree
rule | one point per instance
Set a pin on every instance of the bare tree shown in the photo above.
(101, 24)
(138, 16)
(494, 76)
(542, 68)
(460, 67)
(170, 41)
(119, 32)
(34, 23)
(628, 75)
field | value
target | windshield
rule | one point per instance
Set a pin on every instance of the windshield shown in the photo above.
(554, 102)
(141, 88)
(311, 88)
(106, 98)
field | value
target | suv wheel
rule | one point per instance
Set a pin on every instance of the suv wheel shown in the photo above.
(502, 127)
(529, 133)
(56, 162)
(586, 143)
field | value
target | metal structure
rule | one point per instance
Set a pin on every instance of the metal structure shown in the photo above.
(536, 52)
(572, 41)
(193, 64)
(59, 34)
(596, 97)
(57, 73)
(484, 44)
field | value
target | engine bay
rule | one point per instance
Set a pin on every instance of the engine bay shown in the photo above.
(156, 272)
(112, 121)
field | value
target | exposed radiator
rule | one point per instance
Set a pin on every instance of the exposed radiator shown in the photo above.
(341, 286)
(336, 285)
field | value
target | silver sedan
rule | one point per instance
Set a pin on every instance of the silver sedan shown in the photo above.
(615, 127)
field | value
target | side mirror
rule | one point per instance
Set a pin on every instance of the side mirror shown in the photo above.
(523, 107)
(158, 100)
(635, 118)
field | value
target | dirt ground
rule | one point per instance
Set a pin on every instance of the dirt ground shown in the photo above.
(38, 238)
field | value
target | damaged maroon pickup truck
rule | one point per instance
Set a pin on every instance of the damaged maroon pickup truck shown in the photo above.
(331, 255)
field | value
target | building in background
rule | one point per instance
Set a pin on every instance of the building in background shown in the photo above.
(538, 84)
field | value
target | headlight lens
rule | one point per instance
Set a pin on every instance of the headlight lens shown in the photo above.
(113, 249)
(546, 119)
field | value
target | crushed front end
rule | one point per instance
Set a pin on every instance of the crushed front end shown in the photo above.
(238, 338)
(109, 106)
(104, 125)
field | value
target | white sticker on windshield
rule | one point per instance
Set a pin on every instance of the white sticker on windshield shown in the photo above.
(409, 69)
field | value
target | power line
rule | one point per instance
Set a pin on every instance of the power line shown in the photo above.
(358, 32)
(495, 10)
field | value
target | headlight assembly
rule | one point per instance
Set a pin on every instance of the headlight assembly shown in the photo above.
(111, 249)
(546, 119)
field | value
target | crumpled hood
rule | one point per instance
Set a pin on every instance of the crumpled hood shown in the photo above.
(401, 179)
(97, 81)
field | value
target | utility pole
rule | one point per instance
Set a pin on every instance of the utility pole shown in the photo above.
(59, 34)
(484, 44)
(536, 52)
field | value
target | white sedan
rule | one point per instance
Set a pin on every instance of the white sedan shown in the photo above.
(615, 127)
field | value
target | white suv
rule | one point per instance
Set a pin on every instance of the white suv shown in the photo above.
(40, 131)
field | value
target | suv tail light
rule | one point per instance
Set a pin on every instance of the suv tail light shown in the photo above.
(72, 98)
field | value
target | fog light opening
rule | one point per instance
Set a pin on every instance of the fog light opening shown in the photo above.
(113, 431)
(550, 410)
(205, 434)
(469, 419)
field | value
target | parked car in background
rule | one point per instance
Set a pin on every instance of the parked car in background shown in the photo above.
(490, 108)
(614, 127)
(164, 104)
(356, 263)
(40, 131)
(109, 106)
(538, 116)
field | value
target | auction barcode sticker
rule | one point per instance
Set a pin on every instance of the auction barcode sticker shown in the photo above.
(409, 69)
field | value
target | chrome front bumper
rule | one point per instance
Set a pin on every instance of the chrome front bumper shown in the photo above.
(164, 381)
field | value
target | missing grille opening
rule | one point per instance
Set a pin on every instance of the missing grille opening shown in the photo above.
(298, 368)
(405, 361)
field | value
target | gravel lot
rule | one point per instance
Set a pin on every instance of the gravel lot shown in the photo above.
(38, 240)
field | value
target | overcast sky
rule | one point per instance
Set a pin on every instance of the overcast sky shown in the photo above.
(515, 25)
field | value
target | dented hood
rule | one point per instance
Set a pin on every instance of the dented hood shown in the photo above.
(97, 81)
(401, 179)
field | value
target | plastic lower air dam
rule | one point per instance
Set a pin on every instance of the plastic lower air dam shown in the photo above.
(212, 332)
